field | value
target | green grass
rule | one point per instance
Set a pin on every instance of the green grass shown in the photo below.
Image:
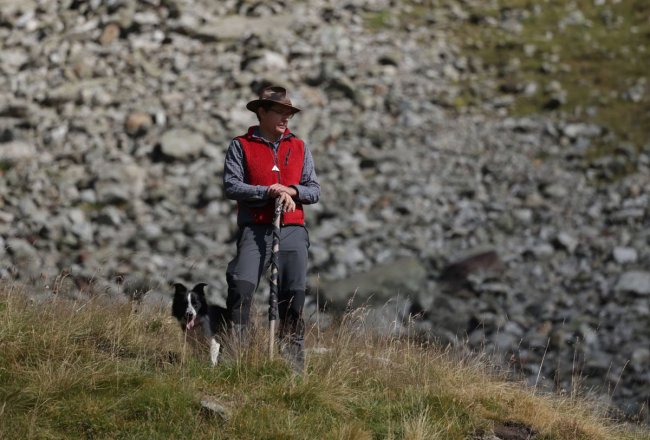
(99, 370)
(597, 61)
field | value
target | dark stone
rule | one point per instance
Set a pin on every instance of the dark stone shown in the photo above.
(458, 271)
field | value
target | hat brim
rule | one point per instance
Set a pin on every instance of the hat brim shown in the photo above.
(256, 103)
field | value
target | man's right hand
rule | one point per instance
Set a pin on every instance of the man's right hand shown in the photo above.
(276, 189)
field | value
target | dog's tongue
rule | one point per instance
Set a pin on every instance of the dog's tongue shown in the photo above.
(190, 324)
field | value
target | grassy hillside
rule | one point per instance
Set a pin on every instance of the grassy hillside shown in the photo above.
(99, 370)
(580, 60)
(596, 53)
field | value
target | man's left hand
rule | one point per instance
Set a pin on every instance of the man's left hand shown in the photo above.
(276, 189)
(288, 204)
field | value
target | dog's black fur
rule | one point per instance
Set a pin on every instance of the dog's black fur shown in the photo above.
(194, 314)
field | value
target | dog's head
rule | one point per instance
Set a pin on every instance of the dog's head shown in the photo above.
(189, 305)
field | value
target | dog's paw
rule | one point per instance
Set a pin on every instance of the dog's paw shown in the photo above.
(214, 352)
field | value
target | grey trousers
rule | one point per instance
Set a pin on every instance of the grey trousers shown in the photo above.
(251, 262)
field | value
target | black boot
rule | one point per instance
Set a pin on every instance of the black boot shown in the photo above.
(292, 344)
(292, 329)
(294, 354)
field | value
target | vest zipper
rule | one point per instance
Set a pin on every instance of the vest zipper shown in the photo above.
(277, 173)
(286, 159)
(275, 163)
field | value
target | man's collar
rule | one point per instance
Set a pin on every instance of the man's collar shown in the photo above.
(258, 134)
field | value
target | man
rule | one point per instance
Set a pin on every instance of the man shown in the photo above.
(268, 163)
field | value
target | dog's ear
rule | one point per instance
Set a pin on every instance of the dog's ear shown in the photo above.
(180, 289)
(199, 288)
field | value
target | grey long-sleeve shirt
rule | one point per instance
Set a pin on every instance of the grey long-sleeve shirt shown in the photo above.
(236, 187)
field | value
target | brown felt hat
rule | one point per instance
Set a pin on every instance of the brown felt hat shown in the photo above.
(274, 94)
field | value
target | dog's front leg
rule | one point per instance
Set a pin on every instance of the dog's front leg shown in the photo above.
(214, 351)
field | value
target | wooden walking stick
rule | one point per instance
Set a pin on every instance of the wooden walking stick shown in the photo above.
(273, 296)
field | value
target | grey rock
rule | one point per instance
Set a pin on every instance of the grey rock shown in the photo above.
(233, 27)
(15, 151)
(556, 191)
(640, 359)
(26, 258)
(635, 93)
(625, 215)
(13, 60)
(525, 216)
(182, 143)
(543, 251)
(119, 183)
(267, 61)
(567, 242)
(505, 340)
(577, 130)
(404, 277)
(635, 281)
(625, 255)
(212, 407)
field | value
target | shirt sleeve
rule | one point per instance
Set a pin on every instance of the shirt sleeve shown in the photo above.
(309, 187)
(234, 173)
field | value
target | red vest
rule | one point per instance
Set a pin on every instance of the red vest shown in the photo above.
(259, 160)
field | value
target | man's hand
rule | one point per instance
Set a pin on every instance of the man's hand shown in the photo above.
(288, 204)
(285, 194)
(276, 189)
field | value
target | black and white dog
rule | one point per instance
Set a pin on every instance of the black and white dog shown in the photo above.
(198, 319)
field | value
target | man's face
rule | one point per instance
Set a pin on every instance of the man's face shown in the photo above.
(274, 120)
